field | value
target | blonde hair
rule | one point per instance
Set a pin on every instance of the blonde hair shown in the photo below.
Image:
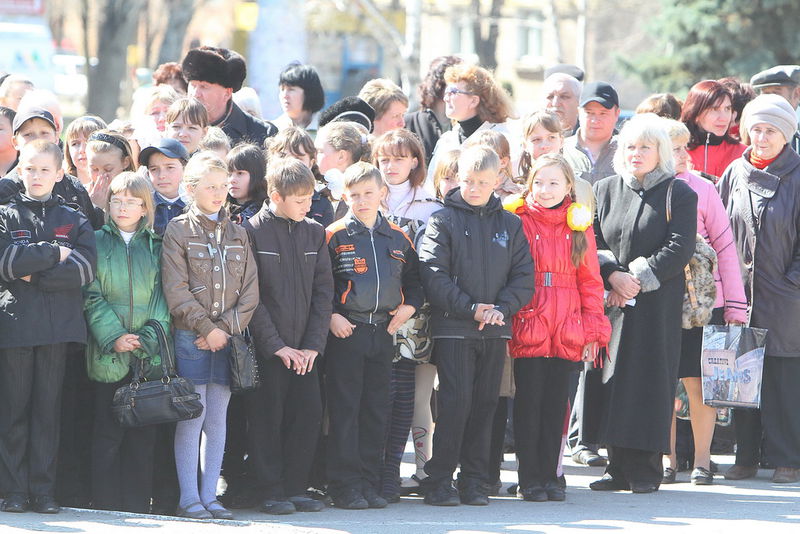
(478, 159)
(678, 132)
(381, 93)
(215, 139)
(579, 242)
(495, 104)
(80, 127)
(361, 172)
(120, 144)
(497, 142)
(346, 136)
(201, 164)
(446, 167)
(160, 93)
(652, 129)
(191, 109)
(547, 120)
(136, 186)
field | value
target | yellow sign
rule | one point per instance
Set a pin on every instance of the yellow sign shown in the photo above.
(246, 16)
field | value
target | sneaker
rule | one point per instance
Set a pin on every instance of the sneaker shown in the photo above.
(277, 507)
(669, 476)
(441, 494)
(590, 458)
(473, 493)
(371, 496)
(702, 477)
(306, 504)
(350, 499)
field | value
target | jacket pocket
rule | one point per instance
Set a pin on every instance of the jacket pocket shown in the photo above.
(531, 331)
(573, 337)
(200, 258)
(235, 260)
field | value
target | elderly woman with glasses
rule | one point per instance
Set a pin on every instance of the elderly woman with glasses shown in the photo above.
(475, 101)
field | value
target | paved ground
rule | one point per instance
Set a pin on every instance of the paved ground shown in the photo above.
(753, 507)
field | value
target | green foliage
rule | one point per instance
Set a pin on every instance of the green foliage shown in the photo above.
(695, 40)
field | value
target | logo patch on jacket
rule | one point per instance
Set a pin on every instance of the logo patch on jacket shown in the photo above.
(345, 248)
(501, 238)
(360, 265)
(62, 232)
(17, 235)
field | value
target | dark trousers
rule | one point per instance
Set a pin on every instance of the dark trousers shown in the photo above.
(359, 370)
(469, 387)
(497, 440)
(588, 395)
(780, 397)
(635, 465)
(542, 391)
(165, 475)
(283, 416)
(30, 395)
(233, 462)
(398, 426)
(747, 425)
(73, 481)
(122, 458)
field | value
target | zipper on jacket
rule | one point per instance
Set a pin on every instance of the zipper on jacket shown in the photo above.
(130, 286)
(377, 274)
(705, 157)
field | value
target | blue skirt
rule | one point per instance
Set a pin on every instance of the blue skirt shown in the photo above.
(201, 366)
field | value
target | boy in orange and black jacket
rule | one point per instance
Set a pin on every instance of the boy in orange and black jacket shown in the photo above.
(376, 289)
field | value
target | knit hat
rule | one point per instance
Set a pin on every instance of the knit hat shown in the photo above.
(215, 65)
(349, 109)
(773, 110)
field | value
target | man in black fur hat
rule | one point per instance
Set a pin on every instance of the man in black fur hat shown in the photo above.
(214, 74)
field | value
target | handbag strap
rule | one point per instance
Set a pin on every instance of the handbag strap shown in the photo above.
(165, 347)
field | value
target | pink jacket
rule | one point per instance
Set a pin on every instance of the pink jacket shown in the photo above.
(713, 224)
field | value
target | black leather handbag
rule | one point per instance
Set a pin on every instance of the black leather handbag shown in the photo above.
(244, 368)
(151, 402)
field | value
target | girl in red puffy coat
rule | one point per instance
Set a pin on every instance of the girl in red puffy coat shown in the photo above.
(562, 325)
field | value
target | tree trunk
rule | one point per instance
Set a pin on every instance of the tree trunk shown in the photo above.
(486, 47)
(180, 15)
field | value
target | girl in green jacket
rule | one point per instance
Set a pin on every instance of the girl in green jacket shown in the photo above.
(124, 295)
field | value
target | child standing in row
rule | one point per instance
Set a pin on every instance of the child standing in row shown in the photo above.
(47, 253)
(211, 285)
(477, 272)
(377, 290)
(401, 159)
(563, 323)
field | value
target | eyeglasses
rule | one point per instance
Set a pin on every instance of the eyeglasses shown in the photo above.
(452, 91)
(127, 204)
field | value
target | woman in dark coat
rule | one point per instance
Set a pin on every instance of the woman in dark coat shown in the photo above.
(643, 250)
(761, 192)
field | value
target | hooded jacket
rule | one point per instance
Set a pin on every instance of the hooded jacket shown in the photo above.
(764, 208)
(566, 311)
(472, 255)
(49, 308)
(374, 270)
(208, 273)
(125, 294)
(295, 283)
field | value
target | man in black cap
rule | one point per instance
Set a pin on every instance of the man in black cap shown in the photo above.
(590, 152)
(783, 80)
(214, 74)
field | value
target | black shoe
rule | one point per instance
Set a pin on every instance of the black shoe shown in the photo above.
(494, 489)
(277, 507)
(590, 458)
(441, 494)
(512, 489)
(391, 498)
(45, 504)
(240, 500)
(702, 477)
(608, 483)
(15, 503)
(306, 504)
(643, 487)
(473, 493)
(669, 476)
(350, 499)
(371, 496)
(534, 494)
(555, 491)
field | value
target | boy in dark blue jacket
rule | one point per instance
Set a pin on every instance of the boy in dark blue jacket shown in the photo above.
(47, 253)
(477, 271)
(376, 290)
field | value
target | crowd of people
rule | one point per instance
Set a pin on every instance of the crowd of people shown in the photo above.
(376, 257)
